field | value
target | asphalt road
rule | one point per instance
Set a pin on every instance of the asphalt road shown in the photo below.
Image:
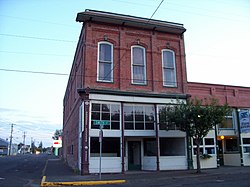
(27, 170)
(22, 170)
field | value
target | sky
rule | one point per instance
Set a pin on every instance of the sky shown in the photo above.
(38, 41)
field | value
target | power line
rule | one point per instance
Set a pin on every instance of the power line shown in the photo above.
(37, 20)
(72, 75)
(28, 53)
(156, 10)
(112, 69)
(37, 38)
(35, 72)
(193, 12)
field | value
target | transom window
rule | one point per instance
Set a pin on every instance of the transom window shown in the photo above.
(168, 68)
(138, 65)
(228, 122)
(105, 62)
(163, 123)
(106, 112)
(139, 117)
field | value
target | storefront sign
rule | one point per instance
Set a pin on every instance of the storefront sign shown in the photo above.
(244, 121)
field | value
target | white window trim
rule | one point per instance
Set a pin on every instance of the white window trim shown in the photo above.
(109, 103)
(144, 57)
(163, 74)
(204, 146)
(112, 62)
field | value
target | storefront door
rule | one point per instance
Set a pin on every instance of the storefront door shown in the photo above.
(134, 155)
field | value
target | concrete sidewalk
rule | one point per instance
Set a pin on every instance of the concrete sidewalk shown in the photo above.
(57, 173)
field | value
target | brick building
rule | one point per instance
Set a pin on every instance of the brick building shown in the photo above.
(125, 70)
(233, 136)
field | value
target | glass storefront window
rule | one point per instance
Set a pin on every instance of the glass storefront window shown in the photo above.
(110, 147)
(150, 147)
(172, 146)
(139, 117)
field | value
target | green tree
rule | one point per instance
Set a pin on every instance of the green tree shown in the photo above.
(196, 118)
(57, 134)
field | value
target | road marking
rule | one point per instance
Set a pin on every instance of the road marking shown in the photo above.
(79, 183)
(2, 178)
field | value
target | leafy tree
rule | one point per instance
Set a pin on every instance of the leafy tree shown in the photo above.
(57, 134)
(33, 147)
(196, 118)
(40, 146)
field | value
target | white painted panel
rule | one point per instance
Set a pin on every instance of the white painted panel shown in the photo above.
(139, 133)
(232, 159)
(246, 159)
(206, 163)
(149, 163)
(106, 133)
(109, 165)
(135, 99)
(173, 162)
(171, 133)
(245, 135)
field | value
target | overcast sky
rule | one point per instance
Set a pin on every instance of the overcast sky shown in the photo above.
(41, 36)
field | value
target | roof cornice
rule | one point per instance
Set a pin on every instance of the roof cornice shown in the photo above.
(132, 21)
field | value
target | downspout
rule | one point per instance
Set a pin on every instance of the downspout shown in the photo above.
(123, 141)
(157, 139)
(239, 137)
(217, 146)
(189, 147)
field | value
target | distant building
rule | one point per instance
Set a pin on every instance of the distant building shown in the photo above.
(124, 71)
(3, 147)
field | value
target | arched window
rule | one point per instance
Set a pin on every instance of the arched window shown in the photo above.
(138, 63)
(105, 62)
(168, 68)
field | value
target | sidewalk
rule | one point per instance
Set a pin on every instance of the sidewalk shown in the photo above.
(56, 173)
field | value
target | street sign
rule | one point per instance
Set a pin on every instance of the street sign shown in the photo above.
(101, 122)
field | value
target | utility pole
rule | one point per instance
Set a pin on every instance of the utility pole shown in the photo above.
(24, 138)
(11, 131)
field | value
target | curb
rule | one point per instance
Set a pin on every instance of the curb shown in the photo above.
(79, 183)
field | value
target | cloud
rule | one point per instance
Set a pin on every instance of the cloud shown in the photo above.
(36, 128)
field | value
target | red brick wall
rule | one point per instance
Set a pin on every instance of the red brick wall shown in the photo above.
(123, 38)
(235, 96)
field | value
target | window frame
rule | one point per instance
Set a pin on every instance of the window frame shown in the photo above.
(233, 119)
(179, 152)
(204, 147)
(134, 121)
(101, 112)
(99, 79)
(144, 65)
(174, 84)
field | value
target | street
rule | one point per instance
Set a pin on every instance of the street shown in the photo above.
(22, 170)
(27, 171)
(230, 176)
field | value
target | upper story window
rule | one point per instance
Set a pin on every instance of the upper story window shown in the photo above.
(105, 62)
(228, 122)
(138, 65)
(168, 68)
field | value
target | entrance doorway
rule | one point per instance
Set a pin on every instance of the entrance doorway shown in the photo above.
(134, 155)
(220, 152)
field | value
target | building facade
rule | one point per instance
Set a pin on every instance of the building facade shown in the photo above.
(125, 70)
(233, 136)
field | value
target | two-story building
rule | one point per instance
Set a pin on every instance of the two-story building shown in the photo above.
(124, 71)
